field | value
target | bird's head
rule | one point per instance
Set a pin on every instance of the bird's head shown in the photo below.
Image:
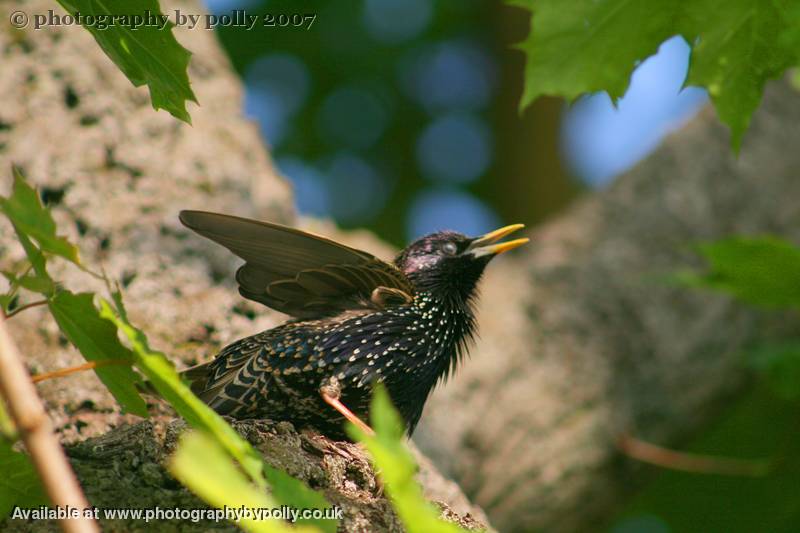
(449, 264)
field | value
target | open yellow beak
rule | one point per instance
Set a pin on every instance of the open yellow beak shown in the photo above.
(488, 245)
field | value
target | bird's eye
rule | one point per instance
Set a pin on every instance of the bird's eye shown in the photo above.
(449, 248)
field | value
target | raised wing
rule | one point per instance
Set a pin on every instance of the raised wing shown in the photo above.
(298, 273)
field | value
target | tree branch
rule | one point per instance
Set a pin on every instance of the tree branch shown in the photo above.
(581, 340)
(691, 462)
(36, 431)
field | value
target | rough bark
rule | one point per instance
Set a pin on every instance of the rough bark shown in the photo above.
(124, 468)
(116, 173)
(582, 339)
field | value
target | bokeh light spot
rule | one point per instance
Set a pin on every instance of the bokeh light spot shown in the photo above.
(276, 85)
(311, 192)
(265, 106)
(219, 7)
(357, 191)
(284, 74)
(353, 116)
(453, 75)
(435, 210)
(395, 21)
(454, 148)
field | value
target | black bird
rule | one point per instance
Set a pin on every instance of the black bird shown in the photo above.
(357, 321)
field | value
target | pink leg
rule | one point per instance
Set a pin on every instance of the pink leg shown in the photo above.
(334, 402)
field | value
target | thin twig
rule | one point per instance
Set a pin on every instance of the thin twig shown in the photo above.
(26, 306)
(36, 378)
(36, 430)
(689, 462)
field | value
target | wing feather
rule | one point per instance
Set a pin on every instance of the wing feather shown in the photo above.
(295, 272)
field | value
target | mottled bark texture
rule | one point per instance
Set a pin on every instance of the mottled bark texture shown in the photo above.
(116, 173)
(583, 339)
(124, 468)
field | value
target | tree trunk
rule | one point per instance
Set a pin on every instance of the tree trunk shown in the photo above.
(581, 339)
(116, 174)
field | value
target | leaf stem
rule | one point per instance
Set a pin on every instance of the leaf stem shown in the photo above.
(36, 430)
(24, 307)
(78, 368)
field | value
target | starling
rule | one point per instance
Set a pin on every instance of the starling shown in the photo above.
(356, 321)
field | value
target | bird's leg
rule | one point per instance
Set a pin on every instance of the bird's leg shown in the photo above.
(331, 391)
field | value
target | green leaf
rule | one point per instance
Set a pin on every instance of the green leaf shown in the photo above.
(96, 338)
(32, 282)
(146, 53)
(35, 256)
(202, 465)
(760, 271)
(397, 469)
(780, 364)
(169, 385)
(739, 49)
(19, 484)
(584, 46)
(294, 493)
(25, 211)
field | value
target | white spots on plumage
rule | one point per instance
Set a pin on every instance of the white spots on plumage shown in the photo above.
(352, 358)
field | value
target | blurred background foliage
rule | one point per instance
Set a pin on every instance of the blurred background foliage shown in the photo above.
(402, 115)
